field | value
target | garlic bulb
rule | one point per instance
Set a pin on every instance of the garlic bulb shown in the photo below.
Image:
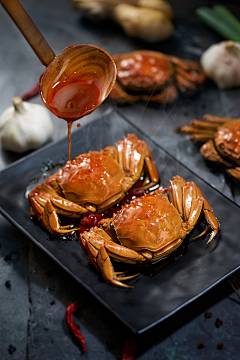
(221, 63)
(24, 126)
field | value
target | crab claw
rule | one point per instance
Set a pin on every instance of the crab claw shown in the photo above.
(110, 276)
(97, 244)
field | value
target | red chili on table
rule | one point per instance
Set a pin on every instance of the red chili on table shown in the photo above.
(31, 93)
(129, 350)
(208, 315)
(201, 345)
(72, 327)
(218, 322)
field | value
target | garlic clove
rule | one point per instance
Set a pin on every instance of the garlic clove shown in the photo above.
(24, 126)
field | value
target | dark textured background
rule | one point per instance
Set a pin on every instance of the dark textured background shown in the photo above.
(29, 324)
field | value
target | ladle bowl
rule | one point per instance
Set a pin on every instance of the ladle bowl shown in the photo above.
(87, 65)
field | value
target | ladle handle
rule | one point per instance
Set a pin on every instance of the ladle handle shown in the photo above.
(29, 30)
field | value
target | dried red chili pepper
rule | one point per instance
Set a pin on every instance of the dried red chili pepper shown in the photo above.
(83, 228)
(31, 93)
(48, 272)
(112, 211)
(129, 350)
(219, 346)
(218, 322)
(72, 327)
(201, 345)
(137, 193)
(91, 219)
(208, 315)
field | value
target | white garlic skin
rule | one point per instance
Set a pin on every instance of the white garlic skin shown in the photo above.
(221, 63)
(24, 126)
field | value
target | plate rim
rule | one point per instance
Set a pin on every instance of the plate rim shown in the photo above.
(86, 286)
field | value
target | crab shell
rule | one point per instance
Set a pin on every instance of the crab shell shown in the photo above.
(222, 140)
(90, 178)
(153, 76)
(227, 141)
(149, 223)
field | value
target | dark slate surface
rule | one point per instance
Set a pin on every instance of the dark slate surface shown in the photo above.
(32, 328)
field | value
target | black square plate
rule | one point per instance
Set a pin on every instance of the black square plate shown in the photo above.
(158, 292)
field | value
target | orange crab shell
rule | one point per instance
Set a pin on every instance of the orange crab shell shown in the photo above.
(150, 222)
(145, 70)
(99, 174)
(227, 141)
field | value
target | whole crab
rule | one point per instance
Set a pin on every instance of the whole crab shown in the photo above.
(222, 140)
(94, 182)
(147, 229)
(153, 76)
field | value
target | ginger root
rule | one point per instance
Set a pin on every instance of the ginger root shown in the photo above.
(150, 20)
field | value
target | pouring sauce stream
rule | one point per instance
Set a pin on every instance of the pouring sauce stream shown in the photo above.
(73, 100)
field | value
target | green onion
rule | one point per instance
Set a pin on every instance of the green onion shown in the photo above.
(219, 23)
(225, 13)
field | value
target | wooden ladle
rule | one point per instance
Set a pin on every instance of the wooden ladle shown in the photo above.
(76, 81)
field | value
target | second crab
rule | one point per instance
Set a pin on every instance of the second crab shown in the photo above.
(154, 76)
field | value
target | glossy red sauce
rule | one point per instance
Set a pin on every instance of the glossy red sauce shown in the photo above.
(72, 101)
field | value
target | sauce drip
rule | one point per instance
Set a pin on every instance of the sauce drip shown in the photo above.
(72, 101)
(69, 139)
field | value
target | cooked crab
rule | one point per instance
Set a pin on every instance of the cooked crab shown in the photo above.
(222, 140)
(94, 182)
(153, 76)
(147, 229)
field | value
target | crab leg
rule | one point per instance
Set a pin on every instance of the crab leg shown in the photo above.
(203, 125)
(210, 153)
(184, 64)
(107, 269)
(209, 216)
(99, 247)
(235, 172)
(184, 84)
(189, 201)
(45, 204)
(132, 153)
(217, 119)
(49, 217)
(191, 76)
(62, 206)
(175, 192)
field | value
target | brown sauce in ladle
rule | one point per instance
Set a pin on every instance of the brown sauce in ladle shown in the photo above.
(76, 81)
